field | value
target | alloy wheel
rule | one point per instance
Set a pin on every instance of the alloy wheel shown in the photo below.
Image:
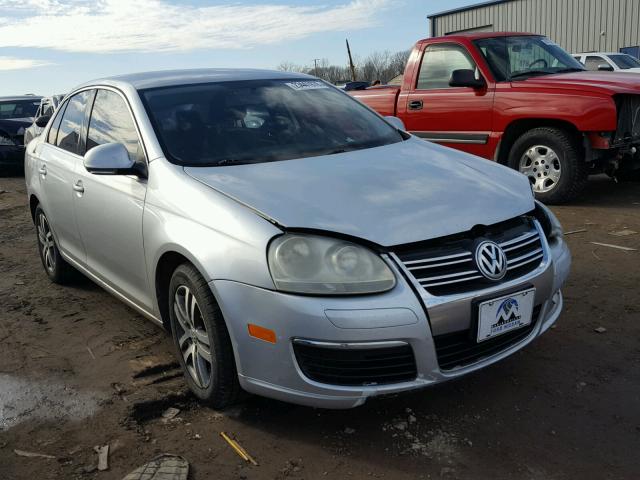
(47, 244)
(193, 337)
(542, 165)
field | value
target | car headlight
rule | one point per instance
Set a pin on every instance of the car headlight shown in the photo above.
(549, 222)
(326, 266)
(6, 140)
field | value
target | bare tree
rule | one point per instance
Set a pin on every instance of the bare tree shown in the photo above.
(381, 66)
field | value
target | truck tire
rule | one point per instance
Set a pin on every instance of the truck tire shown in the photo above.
(552, 160)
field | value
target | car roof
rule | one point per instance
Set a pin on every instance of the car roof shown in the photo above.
(167, 78)
(600, 53)
(479, 35)
(20, 97)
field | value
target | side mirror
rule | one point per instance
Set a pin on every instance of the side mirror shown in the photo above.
(605, 67)
(395, 122)
(42, 120)
(466, 78)
(110, 159)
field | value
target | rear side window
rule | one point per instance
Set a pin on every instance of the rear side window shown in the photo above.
(438, 62)
(53, 131)
(111, 122)
(592, 62)
(71, 125)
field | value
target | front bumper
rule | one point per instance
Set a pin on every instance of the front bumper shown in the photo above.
(399, 315)
(11, 155)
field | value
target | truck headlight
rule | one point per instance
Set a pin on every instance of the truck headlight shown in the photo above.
(549, 222)
(310, 264)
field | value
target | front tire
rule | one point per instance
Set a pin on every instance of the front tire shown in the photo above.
(552, 160)
(56, 267)
(201, 338)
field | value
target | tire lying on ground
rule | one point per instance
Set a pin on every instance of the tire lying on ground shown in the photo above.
(553, 161)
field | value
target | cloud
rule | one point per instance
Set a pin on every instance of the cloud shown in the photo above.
(109, 26)
(12, 63)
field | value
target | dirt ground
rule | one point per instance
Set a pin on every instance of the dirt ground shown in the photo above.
(79, 369)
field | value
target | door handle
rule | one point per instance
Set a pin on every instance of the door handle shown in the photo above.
(415, 105)
(42, 170)
(78, 187)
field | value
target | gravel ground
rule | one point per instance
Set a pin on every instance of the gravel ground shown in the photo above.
(79, 369)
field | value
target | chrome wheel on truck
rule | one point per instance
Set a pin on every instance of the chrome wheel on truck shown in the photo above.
(542, 165)
(553, 160)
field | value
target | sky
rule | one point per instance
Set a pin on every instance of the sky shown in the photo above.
(50, 46)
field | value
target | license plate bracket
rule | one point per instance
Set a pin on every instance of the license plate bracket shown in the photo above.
(504, 314)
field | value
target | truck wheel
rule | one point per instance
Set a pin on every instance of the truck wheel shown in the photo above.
(551, 158)
(201, 338)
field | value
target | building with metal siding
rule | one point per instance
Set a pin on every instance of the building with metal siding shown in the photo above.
(576, 25)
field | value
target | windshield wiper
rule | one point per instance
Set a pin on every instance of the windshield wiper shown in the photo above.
(570, 69)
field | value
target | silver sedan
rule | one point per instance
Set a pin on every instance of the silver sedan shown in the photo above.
(296, 244)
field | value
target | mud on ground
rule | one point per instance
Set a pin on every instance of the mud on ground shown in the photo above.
(79, 369)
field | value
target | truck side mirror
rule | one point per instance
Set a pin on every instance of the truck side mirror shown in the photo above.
(42, 120)
(466, 78)
(605, 67)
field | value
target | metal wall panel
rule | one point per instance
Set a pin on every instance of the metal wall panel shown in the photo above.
(577, 25)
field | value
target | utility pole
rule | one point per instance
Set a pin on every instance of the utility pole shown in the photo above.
(315, 62)
(351, 66)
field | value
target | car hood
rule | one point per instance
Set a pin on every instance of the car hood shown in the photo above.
(390, 195)
(599, 82)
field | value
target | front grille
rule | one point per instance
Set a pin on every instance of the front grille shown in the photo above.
(628, 128)
(447, 265)
(461, 348)
(356, 367)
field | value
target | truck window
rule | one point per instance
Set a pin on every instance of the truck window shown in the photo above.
(438, 62)
(594, 61)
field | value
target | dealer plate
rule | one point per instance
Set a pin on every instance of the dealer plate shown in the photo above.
(504, 314)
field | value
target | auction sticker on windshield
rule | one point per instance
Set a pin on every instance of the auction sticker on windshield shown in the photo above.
(306, 85)
(504, 314)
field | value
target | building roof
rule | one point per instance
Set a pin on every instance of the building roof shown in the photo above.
(469, 7)
(189, 77)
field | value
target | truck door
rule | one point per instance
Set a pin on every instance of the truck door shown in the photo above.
(458, 117)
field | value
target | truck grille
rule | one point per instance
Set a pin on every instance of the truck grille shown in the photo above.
(445, 266)
(356, 367)
(460, 348)
(628, 129)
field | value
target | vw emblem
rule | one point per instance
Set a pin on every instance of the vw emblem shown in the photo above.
(491, 260)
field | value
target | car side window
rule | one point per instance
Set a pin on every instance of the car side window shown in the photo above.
(438, 62)
(53, 131)
(71, 124)
(111, 122)
(592, 62)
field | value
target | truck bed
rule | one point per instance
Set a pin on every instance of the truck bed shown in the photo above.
(382, 99)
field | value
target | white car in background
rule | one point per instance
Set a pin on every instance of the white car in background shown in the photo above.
(46, 109)
(611, 62)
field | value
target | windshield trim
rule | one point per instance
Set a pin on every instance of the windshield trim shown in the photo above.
(402, 136)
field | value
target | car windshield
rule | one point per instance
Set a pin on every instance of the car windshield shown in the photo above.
(18, 109)
(258, 121)
(523, 56)
(625, 61)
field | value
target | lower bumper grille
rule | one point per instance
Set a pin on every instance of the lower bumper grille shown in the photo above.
(461, 348)
(356, 367)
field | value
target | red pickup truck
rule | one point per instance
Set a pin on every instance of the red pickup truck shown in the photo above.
(523, 101)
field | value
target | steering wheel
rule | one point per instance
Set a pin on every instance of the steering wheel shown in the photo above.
(539, 60)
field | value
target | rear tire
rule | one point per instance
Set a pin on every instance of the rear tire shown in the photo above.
(553, 161)
(56, 267)
(201, 338)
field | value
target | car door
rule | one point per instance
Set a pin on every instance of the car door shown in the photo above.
(459, 117)
(58, 159)
(109, 208)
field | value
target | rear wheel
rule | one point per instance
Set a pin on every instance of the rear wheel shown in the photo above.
(552, 161)
(201, 338)
(58, 270)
